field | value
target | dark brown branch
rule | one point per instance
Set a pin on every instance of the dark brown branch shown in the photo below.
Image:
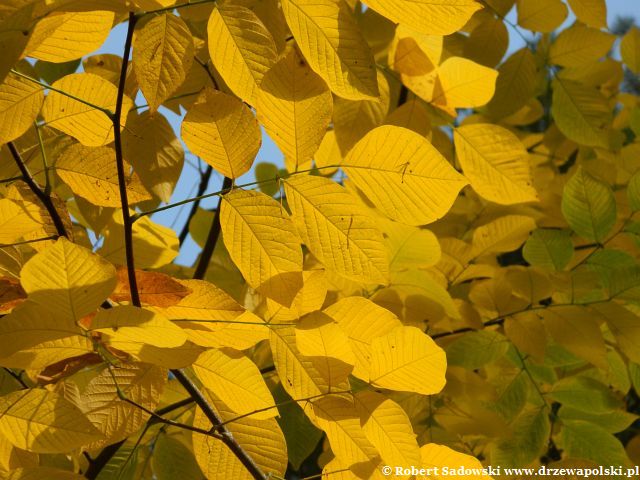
(216, 421)
(38, 192)
(212, 239)
(498, 321)
(204, 182)
(122, 174)
(17, 377)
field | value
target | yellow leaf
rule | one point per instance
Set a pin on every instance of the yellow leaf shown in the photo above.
(154, 245)
(624, 326)
(495, 162)
(262, 242)
(581, 113)
(580, 45)
(590, 12)
(340, 421)
(441, 456)
(241, 48)
(362, 321)
(294, 105)
(438, 17)
(41, 355)
(403, 175)
(321, 340)
(15, 222)
(488, 41)
(156, 289)
(388, 428)
(92, 174)
(330, 39)
(20, 103)
(90, 126)
(205, 302)
(36, 473)
(336, 229)
(352, 119)
(12, 458)
(115, 418)
(65, 36)
(630, 49)
(162, 55)
(410, 247)
(308, 299)
(261, 439)
(541, 15)
(224, 132)
(516, 83)
(503, 234)
(407, 359)
(412, 115)
(237, 381)
(129, 324)
(12, 39)
(68, 279)
(151, 146)
(44, 422)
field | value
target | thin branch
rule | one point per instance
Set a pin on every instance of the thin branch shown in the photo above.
(122, 174)
(25, 242)
(17, 377)
(216, 421)
(212, 238)
(45, 165)
(45, 199)
(204, 183)
(174, 7)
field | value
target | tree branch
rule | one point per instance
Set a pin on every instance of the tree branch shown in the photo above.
(122, 175)
(45, 199)
(212, 239)
(204, 182)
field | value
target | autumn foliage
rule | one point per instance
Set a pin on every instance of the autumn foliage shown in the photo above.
(442, 272)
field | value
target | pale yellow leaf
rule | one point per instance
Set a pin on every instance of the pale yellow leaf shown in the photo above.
(92, 174)
(441, 456)
(20, 103)
(336, 229)
(495, 162)
(89, 126)
(237, 381)
(294, 104)
(15, 222)
(410, 247)
(438, 17)
(44, 422)
(308, 299)
(580, 45)
(407, 359)
(403, 175)
(162, 55)
(541, 15)
(241, 48)
(262, 242)
(330, 39)
(41, 355)
(223, 132)
(65, 36)
(503, 234)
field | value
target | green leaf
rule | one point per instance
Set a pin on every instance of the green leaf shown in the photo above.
(476, 349)
(586, 394)
(173, 459)
(590, 442)
(588, 206)
(548, 248)
(529, 435)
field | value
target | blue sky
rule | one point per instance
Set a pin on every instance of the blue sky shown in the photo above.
(269, 152)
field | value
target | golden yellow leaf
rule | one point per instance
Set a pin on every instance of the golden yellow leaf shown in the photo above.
(162, 55)
(49, 352)
(12, 458)
(321, 340)
(262, 242)
(64, 36)
(156, 289)
(68, 279)
(441, 456)
(503, 234)
(495, 162)
(388, 428)
(590, 12)
(412, 115)
(223, 132)
(237, 381)
(336, 229)
(437, 17)
(20, 103)
(403, 175)
(488, 41)
(407, 359)
(409, 247)
(92, 174)
(308, 299)
(541, 15)
(44, 422)
(580, 45)
(630, 49)
(15, 222)
(241, 48)
(89, 126)
(362, 321)
(515, 85)
(294, 105)
(329, 38)
(36, 473)
(133, 325)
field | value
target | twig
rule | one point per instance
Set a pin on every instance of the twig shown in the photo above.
(122, 175)
(212, 239)
(204, 182)
(17, 377)
(45, 199)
